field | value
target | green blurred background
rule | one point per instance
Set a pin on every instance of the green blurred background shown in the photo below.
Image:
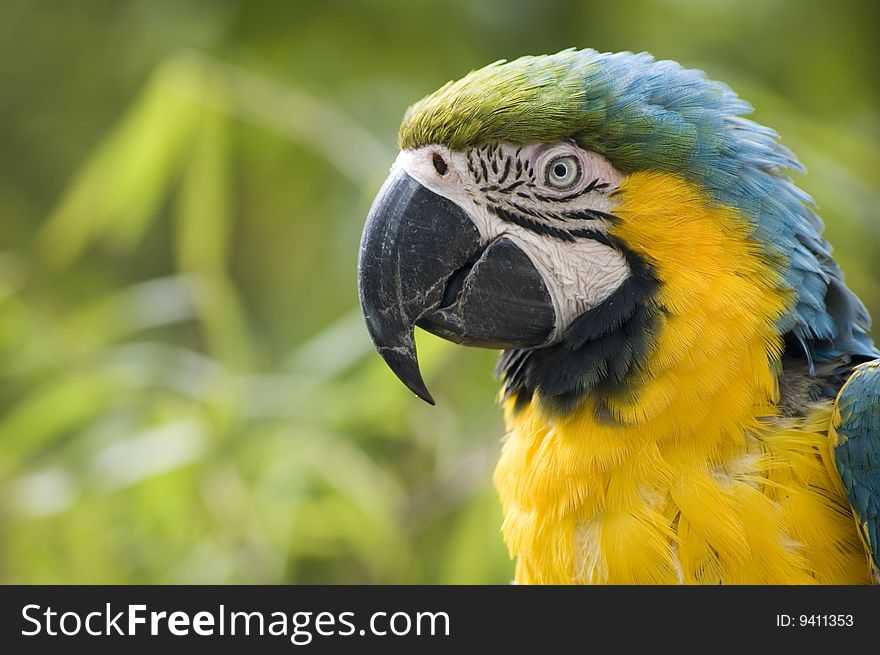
(188, 394)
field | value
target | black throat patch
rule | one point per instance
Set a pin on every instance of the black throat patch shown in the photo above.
(599, 351)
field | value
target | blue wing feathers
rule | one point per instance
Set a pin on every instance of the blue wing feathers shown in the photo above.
(857, 454)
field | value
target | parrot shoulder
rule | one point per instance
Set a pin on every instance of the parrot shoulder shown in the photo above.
(855, 437)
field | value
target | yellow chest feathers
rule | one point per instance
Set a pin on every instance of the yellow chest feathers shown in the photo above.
(694, 478)
(607, 505)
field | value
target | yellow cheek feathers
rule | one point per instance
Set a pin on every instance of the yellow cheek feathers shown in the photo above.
(683, 482)
(719, 304)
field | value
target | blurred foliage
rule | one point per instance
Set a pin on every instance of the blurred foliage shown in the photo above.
(188, 391)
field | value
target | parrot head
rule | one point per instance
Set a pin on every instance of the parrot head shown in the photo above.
(595, 215)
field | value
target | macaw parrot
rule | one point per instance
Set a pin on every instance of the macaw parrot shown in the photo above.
(690, 390)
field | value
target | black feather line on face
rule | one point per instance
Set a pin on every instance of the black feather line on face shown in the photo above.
(595, 185)
(506, 172)
(531, 224)
(597, 355)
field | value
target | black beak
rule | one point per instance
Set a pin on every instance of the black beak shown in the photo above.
(423, 262)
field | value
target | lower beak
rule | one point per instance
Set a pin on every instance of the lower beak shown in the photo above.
(423, 262)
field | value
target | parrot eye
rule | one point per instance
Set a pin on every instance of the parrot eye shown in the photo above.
(563, 172)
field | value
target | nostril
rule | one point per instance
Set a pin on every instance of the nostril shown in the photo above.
(440, 164)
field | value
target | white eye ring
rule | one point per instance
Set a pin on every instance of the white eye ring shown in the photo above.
(563, 172)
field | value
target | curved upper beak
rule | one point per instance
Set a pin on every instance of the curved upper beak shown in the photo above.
(423, 262)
